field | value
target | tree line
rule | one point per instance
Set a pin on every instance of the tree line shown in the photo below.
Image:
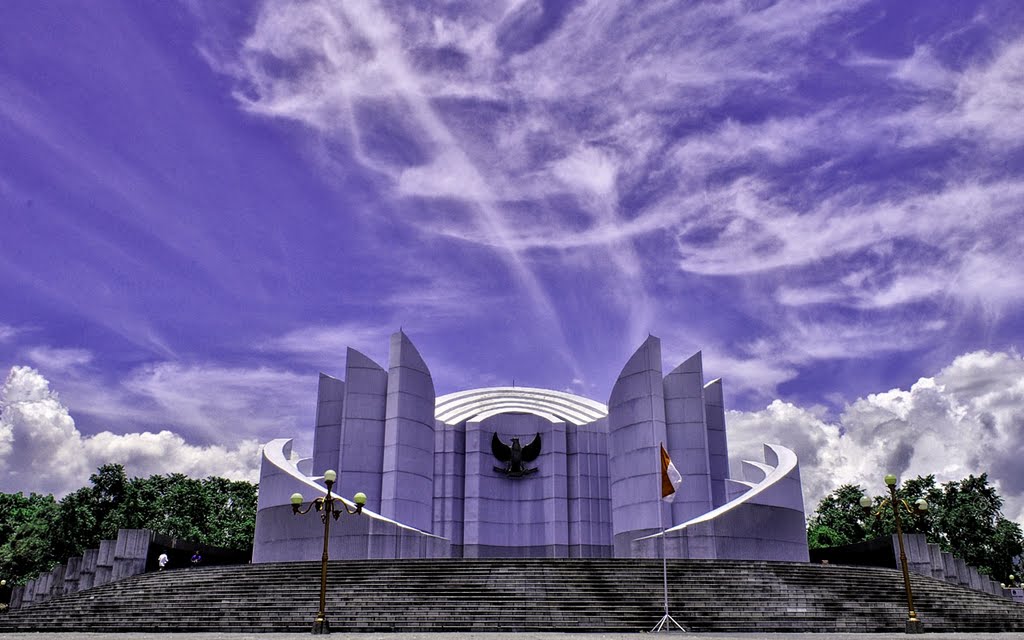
(38, 531)
(964, 518)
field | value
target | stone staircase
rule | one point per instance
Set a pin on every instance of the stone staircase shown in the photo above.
(520, 595)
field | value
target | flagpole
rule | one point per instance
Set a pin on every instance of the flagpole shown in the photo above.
(663, 624)
(664, 557)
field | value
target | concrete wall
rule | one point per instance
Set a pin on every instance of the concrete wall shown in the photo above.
(362, 434)
(927, 559)
(590, 520)
(104, 562)
(115, 559)
(449, 483)
(718, 448)
(130, 552)
(407, 483)
(351, 538)
(72, 575)
(516, 517)
(282, 536)
(636, 429)
(765, 523)
(87, 574)
(686, 437)
(330, 405)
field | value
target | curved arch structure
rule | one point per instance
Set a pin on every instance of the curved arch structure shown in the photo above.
(369, 536)
(554, 406)
(436, 489)
(765, 519)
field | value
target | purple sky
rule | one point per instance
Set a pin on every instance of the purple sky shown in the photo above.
(203, 203)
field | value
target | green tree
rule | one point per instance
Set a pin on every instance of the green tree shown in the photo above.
(27, 550)
(838, 520)
(964, 518)
(233, 512)
(37, 531)
(109, 487)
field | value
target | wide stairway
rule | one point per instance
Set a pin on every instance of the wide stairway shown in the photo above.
(520, 595)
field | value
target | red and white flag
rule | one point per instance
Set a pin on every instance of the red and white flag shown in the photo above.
(670, 477)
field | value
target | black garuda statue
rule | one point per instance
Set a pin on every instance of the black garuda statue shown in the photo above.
(514, 456)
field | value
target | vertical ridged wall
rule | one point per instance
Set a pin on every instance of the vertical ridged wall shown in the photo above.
(407, 485)
(589, 504)
(687, 436)
(636, 426)
(330, 403)
(507, 516)
(362, 433)
(449, 483)
(718, 447)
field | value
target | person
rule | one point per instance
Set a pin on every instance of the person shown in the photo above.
(196, 558)
(162, 560)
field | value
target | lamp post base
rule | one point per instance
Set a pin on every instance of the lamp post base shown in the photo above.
(321, 627)
(915, 626)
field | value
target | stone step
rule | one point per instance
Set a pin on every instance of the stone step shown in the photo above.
(515, 595)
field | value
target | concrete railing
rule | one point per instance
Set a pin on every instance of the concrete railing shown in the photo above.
(929, 560)
(113, 560)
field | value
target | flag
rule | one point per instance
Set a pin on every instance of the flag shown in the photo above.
(670, 477)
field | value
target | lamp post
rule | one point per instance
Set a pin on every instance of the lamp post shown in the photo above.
(920, 507)
(327, 506)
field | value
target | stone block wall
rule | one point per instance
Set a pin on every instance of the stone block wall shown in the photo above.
(928, 560)
(113, 560)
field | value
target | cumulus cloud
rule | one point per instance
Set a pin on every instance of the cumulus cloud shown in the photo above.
(41, 449)
(967, 419)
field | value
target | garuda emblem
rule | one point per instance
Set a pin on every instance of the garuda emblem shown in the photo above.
(515, 456)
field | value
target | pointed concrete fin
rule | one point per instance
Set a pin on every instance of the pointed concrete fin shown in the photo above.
(330, 389)
(356, 360)
(645, 358)
(713, 392)
(693, 364)
(403, 353)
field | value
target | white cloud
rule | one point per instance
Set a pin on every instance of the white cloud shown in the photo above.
(621, 129)
(992, 97)
(331, 341)
(7, 332)
(967, 419)
(589, 169)
(207, 403)
(41, 449)
(317, 62)
(55, 359)
(755, 376)
(981, 103)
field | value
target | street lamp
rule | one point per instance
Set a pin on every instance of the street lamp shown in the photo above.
(920, 508)
(327, 506)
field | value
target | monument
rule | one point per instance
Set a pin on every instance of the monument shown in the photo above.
(526, 472)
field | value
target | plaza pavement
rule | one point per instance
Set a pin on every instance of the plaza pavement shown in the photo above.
(497, 635)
